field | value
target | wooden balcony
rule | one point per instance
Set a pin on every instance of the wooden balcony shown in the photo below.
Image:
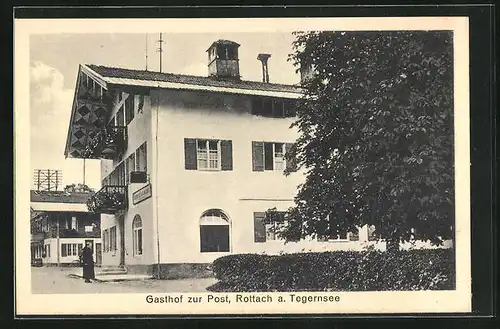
(108, 200)
(106, 143)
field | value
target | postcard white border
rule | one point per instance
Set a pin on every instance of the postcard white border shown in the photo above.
(27, 303)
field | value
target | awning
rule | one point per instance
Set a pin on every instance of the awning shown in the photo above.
(52, 206)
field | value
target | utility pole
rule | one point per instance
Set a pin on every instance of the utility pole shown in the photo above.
(160, 50)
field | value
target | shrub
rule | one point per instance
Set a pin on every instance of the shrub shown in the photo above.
(369, 270)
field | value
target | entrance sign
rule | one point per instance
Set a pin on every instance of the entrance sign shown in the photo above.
(141, 194)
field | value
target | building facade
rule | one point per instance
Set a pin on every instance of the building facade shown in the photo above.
(189, 164)
(61, 226)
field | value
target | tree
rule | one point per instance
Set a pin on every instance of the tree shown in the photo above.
(72, 188)
(375, 135)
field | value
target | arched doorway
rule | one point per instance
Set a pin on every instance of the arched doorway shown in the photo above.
(214, 231)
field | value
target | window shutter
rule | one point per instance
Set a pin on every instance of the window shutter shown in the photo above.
(259, 227)
(226, 149)
(258, 156)
(190, 154)
(291, 166)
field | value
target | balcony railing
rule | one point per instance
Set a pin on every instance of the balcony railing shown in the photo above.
(107, 143)
(108, 200)
(69, 233)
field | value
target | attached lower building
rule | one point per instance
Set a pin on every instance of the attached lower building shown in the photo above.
(60, 227)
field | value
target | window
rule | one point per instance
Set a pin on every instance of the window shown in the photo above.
(272, 223)
(47, 250)
(112, 238)
(231, 53)
(265, 226)
(270, 156)
(70, 249)
(142, 156)
(140, 106)
(137, 235)
(105, 241)
(74, 223)
(273, 107)
(120, 117)
(130, 165)
(334, 234)
(63, 223)
(208, 154)
(221, 52)
(279, 156)
(129, 109)
(120, 170)
(214, 231)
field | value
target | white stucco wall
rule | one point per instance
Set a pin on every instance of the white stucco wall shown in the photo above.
(110, 258)
(139, 131)
(185, 194)
(67, 259)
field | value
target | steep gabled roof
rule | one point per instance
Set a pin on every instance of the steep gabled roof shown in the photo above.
(128, 74)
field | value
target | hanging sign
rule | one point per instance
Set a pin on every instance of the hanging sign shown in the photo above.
(142, 194)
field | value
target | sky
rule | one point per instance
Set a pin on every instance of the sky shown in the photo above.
(54, 60)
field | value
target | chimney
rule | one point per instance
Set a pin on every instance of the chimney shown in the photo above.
(265, 72)
(223, 60)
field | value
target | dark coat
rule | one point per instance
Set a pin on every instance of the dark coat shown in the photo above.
(87, 260)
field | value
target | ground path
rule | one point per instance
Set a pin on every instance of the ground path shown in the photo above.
(54, 280)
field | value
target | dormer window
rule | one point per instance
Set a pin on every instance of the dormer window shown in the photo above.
(221, 52)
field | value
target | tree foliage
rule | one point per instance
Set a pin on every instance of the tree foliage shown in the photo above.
(72, 188)
(375, 135)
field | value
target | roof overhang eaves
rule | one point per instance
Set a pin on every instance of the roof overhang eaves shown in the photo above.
(185, 86)
(72, 116)
(59, 207)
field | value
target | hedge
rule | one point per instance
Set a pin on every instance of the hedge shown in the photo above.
(371, 270)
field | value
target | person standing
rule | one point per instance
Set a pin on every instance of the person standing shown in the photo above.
(87, 260)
